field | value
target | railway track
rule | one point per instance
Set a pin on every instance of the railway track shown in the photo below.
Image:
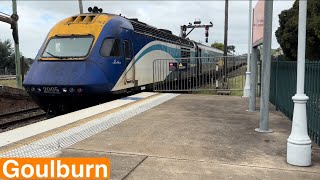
(21, 117)
(7, 77)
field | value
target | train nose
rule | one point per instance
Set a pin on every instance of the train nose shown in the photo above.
(67, 76)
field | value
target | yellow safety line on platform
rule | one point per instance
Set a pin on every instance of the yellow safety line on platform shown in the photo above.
(72, 125)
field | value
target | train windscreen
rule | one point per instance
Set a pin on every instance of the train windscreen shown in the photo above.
(68, 47)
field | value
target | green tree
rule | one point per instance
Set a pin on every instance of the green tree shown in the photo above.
(316, 17)
(287, 33)
(6, 55)
(220, 46)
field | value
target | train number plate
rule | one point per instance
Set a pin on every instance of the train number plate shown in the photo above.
(53, 90)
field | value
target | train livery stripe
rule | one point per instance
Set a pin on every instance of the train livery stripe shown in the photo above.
(174, 52)
(156, 50)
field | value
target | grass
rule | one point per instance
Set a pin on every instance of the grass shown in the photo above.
(10, 83)
(236, 85)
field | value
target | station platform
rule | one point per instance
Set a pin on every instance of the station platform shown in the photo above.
(172, 136)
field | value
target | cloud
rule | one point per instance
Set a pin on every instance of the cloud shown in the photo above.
(38, 17)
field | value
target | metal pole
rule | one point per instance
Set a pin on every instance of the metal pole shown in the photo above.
(80, 6)
(17, 52)
(225, 52)
(299, 143)
(246, 89)
(266, 64)
(254, 77)
(22, 67)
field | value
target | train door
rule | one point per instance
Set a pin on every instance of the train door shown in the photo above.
(130, 66)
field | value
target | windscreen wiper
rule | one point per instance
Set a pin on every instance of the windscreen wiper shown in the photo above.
(53, 55)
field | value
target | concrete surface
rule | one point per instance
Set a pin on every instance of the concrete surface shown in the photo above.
(197, 137)
(34, 129)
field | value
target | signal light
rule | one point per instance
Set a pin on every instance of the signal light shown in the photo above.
(184, 27)
(197, 22)
(206, 33)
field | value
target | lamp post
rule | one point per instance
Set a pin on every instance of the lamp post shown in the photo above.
(266, 68)
(299, 143)
(225, 47)
(246, 89)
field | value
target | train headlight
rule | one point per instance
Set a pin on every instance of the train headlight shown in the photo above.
(64, 90)
(79, 90)
(33, 89)
(71, 90)
(39, 89)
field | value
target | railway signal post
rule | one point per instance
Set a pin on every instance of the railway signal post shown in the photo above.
(13, 21)
(197, 24)
(16, 45)
(80, 6)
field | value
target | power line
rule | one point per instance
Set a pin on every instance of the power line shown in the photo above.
(5, 14)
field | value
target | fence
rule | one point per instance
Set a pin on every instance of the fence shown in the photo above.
(283, 87)
(200, 74)
(7, 71)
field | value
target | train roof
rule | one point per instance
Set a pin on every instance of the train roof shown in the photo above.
(209, 47)
(162, 34)
(146, 29)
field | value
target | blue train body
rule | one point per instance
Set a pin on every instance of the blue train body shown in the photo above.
(51, 79)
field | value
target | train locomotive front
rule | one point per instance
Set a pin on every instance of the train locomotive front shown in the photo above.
(88, 57)
(80, 61)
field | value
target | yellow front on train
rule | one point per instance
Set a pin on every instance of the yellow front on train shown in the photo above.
(74, 37)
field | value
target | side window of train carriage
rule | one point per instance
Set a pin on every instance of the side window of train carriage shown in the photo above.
(111, 47)
(185, 55)
(127, 51)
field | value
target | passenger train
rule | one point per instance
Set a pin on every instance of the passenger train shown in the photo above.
(93, 55)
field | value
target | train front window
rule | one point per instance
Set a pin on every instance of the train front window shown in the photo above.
(68, 47)
(110, 47)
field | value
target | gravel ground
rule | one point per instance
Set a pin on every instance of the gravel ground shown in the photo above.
(8, 105)
(21, 124)
(11, 105)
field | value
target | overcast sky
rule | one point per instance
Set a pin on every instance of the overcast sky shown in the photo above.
(38, 17)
